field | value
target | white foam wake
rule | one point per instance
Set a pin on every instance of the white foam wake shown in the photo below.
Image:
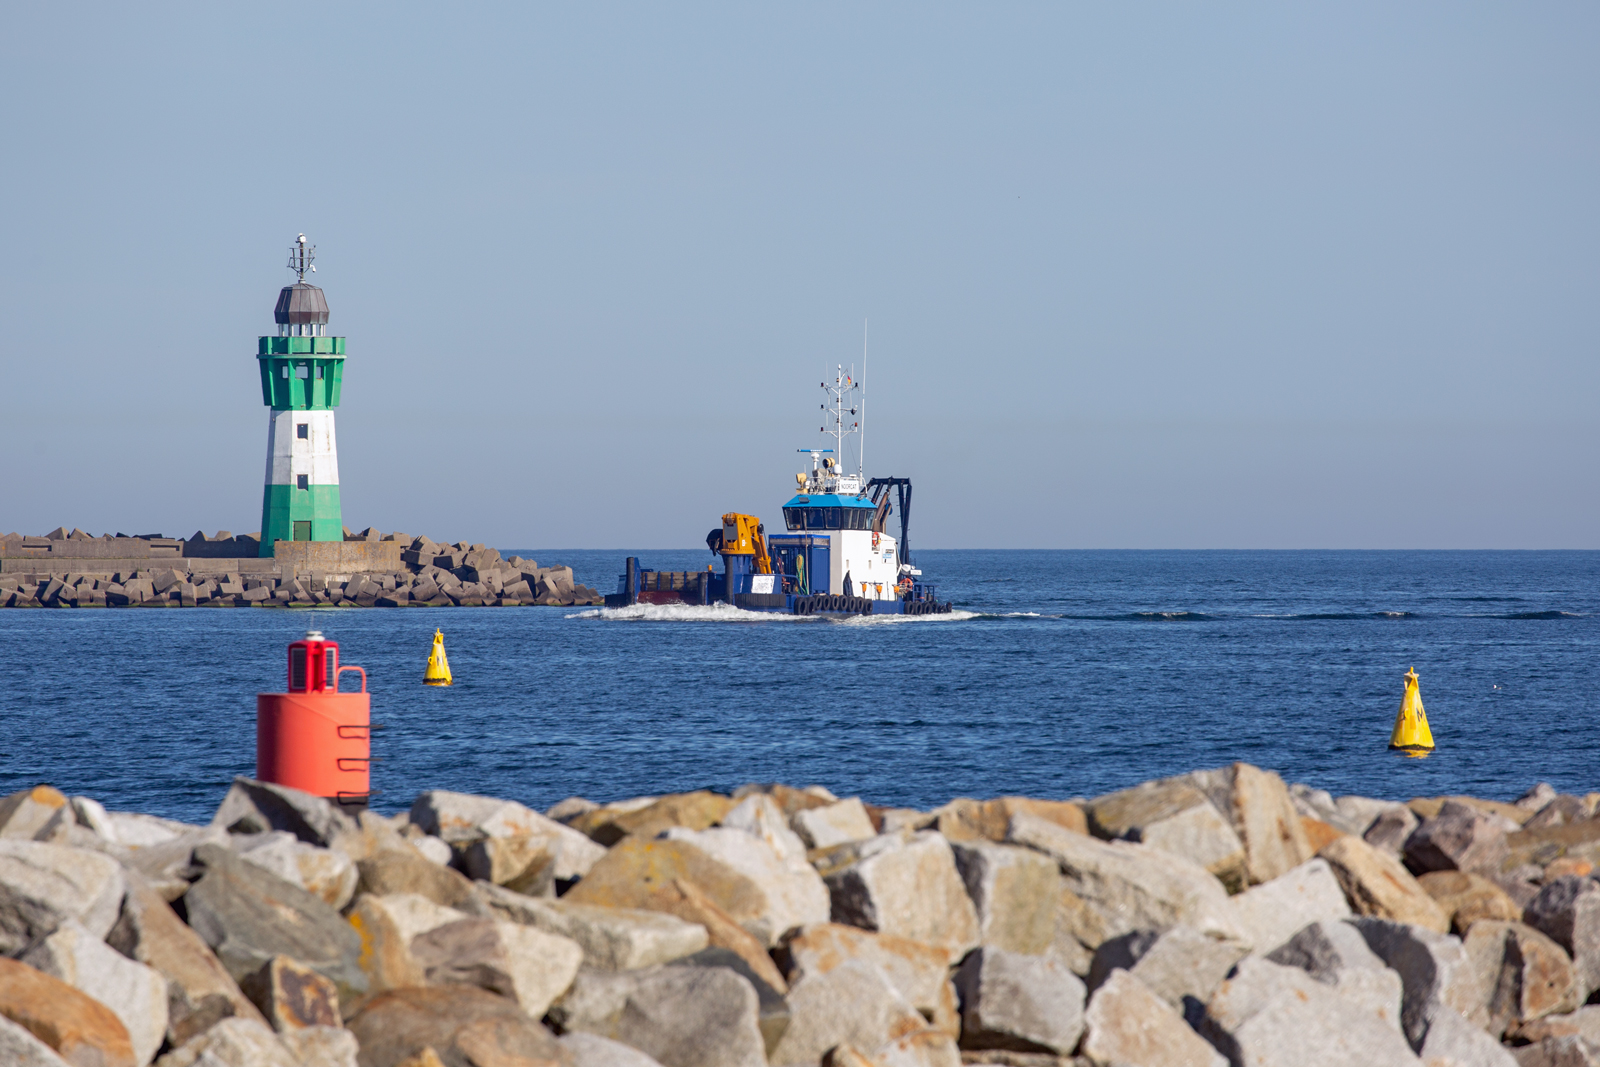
(887, 620)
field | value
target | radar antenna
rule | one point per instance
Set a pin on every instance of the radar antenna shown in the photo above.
(300, 257)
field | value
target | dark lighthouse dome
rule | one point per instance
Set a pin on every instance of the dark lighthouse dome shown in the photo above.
(302, 310)
(301, 305)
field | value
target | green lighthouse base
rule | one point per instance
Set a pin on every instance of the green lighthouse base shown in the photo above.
(289, 513)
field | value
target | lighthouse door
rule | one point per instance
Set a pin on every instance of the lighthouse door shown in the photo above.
(302, 531)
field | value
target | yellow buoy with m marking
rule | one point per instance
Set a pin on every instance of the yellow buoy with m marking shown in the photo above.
(438, 672)
(1411, 732)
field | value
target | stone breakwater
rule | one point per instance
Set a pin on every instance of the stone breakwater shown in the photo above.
(1219, 917)
(74, 570)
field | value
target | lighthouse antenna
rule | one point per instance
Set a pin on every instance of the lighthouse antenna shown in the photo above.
(301, 256)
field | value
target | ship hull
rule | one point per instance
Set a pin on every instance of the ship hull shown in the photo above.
(788, 603)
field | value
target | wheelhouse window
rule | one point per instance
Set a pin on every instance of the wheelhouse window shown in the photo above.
(829, 518)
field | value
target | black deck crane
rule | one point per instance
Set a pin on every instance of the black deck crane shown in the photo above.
(880, 490)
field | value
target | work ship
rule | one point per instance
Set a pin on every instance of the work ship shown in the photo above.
(837, 557)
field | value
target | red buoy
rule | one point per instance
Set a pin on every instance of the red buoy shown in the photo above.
(315, 738)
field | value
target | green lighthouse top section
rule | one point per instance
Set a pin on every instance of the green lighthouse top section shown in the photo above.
(301, 368)
(302, 376)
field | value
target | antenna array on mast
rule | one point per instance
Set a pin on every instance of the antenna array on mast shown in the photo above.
(841, 408)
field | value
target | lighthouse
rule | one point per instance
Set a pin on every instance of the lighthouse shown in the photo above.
(301, 371)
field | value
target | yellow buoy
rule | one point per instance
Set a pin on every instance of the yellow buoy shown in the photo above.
(1411, 731)
(438, 672)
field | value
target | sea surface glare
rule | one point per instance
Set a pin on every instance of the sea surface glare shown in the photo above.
(1062, 674)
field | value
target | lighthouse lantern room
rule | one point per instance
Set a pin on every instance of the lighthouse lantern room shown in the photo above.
(301, 372)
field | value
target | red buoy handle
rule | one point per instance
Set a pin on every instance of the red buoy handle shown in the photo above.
(363, 678)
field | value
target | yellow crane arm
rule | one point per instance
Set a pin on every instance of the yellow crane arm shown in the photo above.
(744, 535)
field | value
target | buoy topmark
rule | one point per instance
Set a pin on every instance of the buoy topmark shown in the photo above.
(1411, 732)
(438, 672)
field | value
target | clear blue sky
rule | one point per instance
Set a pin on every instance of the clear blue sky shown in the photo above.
(1138, 275)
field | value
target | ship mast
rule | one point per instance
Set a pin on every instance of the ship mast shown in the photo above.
(841, 395)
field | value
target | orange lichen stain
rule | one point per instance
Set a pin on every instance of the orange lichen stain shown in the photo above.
(365, 961)
(1568, 865)
(48, 796)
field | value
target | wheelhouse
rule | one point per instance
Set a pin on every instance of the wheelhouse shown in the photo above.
(829, 512)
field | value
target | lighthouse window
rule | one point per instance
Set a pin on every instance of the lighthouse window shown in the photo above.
(319, 374)
(303, 431)
(286, 372)
(303, 481)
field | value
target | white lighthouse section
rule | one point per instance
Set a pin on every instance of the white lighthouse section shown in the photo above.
(290, 455)
(873, 572)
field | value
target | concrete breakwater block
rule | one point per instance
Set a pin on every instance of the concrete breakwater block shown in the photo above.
(698, 930)
(398, 570)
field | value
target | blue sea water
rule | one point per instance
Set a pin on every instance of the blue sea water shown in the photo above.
(1061, 674)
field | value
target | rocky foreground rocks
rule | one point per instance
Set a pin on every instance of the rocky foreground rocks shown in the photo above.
(1216, 918)
(432, 575)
